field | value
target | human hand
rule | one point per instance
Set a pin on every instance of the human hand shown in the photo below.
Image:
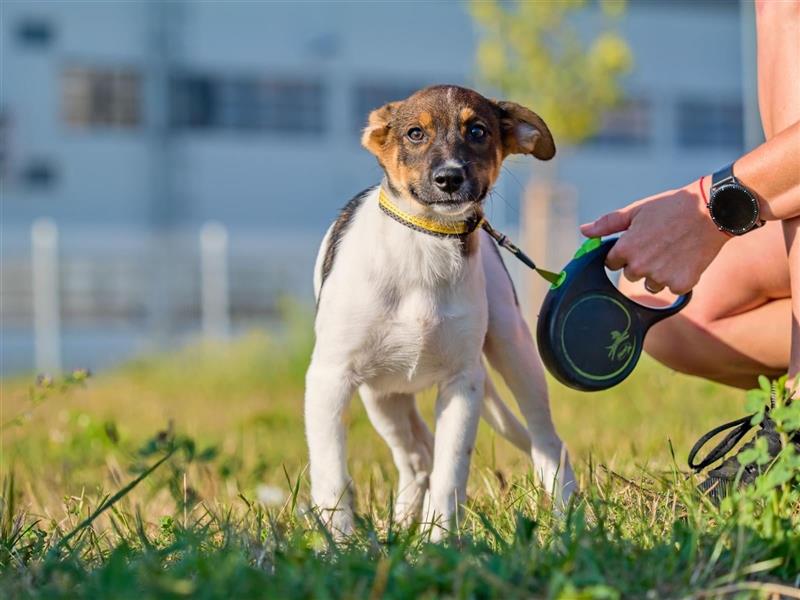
(669, 238)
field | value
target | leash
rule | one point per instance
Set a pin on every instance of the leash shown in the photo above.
(461, 229)
(589, 334)
(503, 241)
(739, 427)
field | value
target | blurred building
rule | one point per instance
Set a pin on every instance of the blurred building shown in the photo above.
(130, 124)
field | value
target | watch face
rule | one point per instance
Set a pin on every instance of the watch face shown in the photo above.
(733, 208)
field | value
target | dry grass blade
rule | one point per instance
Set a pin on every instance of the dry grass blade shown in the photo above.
(112, 500)
(775, 590)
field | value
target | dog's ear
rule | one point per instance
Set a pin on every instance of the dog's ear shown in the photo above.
(377, 130)
(524, 132)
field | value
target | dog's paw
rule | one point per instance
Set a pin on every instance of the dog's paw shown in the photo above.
(405, 516)
(333, 507)
(439, 518)
(554, 473)
(338, 521)
(436, 530)
(408, 506)
(566, 487)
(437, 533)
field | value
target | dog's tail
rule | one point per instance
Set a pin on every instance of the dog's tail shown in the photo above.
(502, 420)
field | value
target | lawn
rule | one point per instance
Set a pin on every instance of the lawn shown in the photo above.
(213, 438)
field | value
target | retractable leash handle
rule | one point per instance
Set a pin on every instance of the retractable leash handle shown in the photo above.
(590, 335)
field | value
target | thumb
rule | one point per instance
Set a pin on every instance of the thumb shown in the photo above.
(613, 222)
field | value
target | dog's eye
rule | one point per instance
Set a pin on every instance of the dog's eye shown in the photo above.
(415, 134)
(477, 132)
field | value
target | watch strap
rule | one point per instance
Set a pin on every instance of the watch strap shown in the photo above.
(723, 176)
(718, 179)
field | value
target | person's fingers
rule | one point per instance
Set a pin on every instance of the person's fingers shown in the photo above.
(681, 286)
(613, 222)
(653, 286)
(614, 262)
(632, 274)
(616, 258)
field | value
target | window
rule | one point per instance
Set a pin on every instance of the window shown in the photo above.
(239, 104)
(275, 105)
(38, 173)
(102, 97)
(369, 96)
(293, 106)
(710, 123)
(193, 102)
(626, 125)
(33, 32)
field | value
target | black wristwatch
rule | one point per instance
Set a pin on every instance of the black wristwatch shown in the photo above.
(733, 208)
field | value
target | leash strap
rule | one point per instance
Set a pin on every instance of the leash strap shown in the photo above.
(503, 241)
(739, 427)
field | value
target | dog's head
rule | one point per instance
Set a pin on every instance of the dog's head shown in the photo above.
(443, 146)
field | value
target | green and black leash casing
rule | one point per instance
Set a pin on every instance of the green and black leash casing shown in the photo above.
(589, 334)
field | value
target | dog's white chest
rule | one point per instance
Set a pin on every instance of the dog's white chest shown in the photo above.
(419, 322)
(424, 339)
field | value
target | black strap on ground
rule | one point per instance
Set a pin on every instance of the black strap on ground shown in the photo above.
(740, 428)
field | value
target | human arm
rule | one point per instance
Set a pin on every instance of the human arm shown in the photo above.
(670, 238)
(772, 172)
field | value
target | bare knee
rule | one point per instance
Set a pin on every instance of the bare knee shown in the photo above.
(669, 344)
(673, 342)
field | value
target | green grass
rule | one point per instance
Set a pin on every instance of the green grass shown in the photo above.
(227, 421)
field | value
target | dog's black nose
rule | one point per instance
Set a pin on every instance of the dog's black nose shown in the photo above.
(448, 179)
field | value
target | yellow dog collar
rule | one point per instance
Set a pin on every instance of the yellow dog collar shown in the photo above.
(460, 229)
(426, 225)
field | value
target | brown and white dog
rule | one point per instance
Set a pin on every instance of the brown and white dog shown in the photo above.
(400, 309)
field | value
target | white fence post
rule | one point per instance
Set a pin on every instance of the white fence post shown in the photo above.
(214, 280)
(46, 308)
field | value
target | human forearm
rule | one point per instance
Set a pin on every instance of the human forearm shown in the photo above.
(670, 238)
(772, 171)
(778, 32)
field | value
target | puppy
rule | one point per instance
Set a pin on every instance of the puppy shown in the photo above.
(410, 294)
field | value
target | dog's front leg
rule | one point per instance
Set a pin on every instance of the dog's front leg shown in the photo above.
(510, 349)
(458, 409)
(328, 392)
(396, 419)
